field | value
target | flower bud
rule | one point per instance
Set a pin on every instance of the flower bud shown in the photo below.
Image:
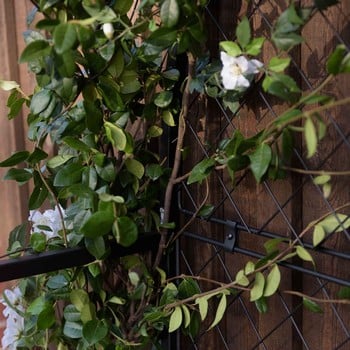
(108, 30)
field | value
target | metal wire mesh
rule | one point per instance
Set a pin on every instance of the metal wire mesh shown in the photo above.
(246, 215)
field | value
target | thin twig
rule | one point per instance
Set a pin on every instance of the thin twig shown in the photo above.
(319, 300)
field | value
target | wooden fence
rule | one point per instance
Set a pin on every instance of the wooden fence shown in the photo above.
(283, 207)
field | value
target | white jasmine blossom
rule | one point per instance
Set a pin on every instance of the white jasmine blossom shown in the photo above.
(237, 71)
(14, 321)
(108, 30)
(50, 218)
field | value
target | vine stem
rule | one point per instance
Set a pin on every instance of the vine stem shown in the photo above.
(333, 301)
(316, 172)
(57, 204)
(178, 154)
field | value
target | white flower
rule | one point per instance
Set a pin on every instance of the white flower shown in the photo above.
(237, 71)
(108, 30)
(50, 218)
(14, 321)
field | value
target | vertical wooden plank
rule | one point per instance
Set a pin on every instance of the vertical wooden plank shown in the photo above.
(325, 329)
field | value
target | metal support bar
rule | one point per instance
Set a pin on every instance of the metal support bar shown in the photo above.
(30, 265)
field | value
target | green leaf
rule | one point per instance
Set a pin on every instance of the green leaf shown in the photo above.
(154, 131)
(249, 268)
(64, 37)
(187, 288)
(344, 293)
(35, 50)
(318, 235)
(76, 144)
(70, 313)
(46, 318)
(125, 231)
(261, 305)
(310, 137)
(260, 161)
(116, 135)
(79, 298)
(163, 99)
(96, 246)
(135, 167)
(273, 280)
(335, 223)
(201, 170)
(40, 101)
(57, 282)
(163, 37)
(154, 171)
(258, 288)
(38, 242)
(231, 48)
(37, 305)
(59, 160)
(19, 175)
(334, 62)
(186, 315)
(220, 311)
(277, 64)
(15, 159)
(175, 319)
(312, 306)
(169, 13)
(254, 47)
(73, 330)
(168, 118)
(68, 175)
(122, 7)
(202, 303)
(94, 331)
(98, 224)
(241, 278)
(321, 179)
(243, 33)
(304, 254)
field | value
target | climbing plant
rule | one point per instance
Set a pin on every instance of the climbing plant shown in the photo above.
(110, 82)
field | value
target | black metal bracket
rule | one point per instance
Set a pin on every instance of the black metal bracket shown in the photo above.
(231, 236)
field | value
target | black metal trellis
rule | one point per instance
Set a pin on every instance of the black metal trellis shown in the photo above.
(227, 236)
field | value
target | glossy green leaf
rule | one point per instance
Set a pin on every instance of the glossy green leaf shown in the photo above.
(19, 175)
(220, 311)
(98, 224)
(154, 171)
(35, 50)
(40, 101)
(243, 32)
(318, 235)
(154, 131)
(260, 160)
(94, 331)
(175, 319)
(125, 231)
(272, 282)
(116, 135)
(335, 223)
(122, 7)
(70, 313)
(70, 174)
(261, 305)
(231, 48)
(57, 282)
(202, 303)
(186, 315)
(46, 318)
(277, 64)
(168, 118)
(334, 62)
(255, 46)
(187, 288)
(38, 242)
(169, 13)
(163, 99)
(15, 159)
(96, 246)
(241, 278)
(249, 268)
(201, 171)
(304, 254)
(79, 298)
(64, 37)
(135, 167)
(312, 306)
(258, 288)
(310, 137)
(73, 330)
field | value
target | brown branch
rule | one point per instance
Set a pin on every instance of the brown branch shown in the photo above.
(319, 300)
(177, 160)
